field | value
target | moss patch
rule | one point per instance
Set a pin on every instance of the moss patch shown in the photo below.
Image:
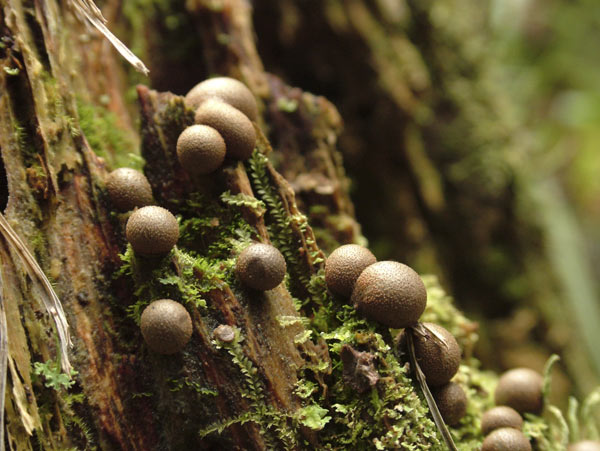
(106, 138)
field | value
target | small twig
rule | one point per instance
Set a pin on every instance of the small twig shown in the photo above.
(87, 12)
(41, 283)
(437, 416)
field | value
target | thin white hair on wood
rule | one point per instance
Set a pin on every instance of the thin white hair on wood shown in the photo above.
(87, 12)
(433, 408)
(427, 332)
(44, 289)
(3, 364)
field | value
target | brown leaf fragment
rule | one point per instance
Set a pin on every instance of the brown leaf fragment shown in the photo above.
(359, 371)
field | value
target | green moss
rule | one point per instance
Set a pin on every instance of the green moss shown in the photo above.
(360, 420)
(244, 200)
(275, 426)
(52, 375)
(186, 382)
(279, 222)
(313, 417)
(288, 234)
(56, 403)
(180, 276)
(479, 387)
(305, 388)
(287, 105)
(106, 138)
(211, 235)
(213, 229)
(28, 151)
(394, 413)
(11, 70)
(582, 421)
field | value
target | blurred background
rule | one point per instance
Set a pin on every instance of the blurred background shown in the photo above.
(550, 55)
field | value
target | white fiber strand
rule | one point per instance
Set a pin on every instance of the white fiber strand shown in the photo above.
(47, 294)
(88, 10)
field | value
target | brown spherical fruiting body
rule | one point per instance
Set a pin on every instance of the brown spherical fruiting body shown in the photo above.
(166, 326)
(506, 439)
(261, 267)
(200, 149)
(438, 362)
(235, 128)
(521, 389)
(128, 189)
(390, 293)
(585, 445)
(343, 267)
(451, 401)
(228, 90)
(500, 417)
(152, 231)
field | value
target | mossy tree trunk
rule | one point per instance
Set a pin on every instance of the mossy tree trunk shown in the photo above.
(67, 109)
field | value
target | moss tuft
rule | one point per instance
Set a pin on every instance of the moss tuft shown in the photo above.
(109, 141)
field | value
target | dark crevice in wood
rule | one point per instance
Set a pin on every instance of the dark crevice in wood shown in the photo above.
(38, 35)
(24, 114)
(3, 184)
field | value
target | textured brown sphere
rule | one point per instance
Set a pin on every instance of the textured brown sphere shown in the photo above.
(128, 189)
(228, 90)
(152, 231)
(235, 128)
(438, 362)
(500, 417)
(451, 401)
(343, 267)
(390, 293)
(585, 445)
(200, 149)
(261, 267)
(506, 439)
(166, 326)
(521, 389)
